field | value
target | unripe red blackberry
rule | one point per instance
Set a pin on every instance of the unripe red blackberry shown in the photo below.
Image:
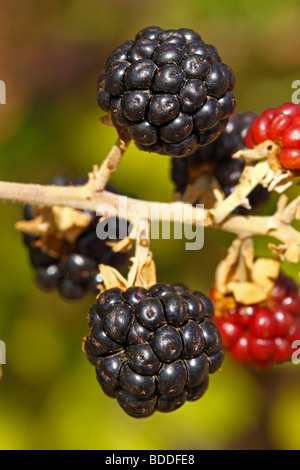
(75, 272)
(153, 349)
(168, 89)
(216, 159)
(262, 334)
(282, 125)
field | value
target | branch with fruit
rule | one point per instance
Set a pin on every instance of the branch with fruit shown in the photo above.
(154, 344)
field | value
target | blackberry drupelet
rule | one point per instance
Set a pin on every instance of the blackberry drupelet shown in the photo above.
(169, 90)
(75, 272)
(153, 349)
(216, 159)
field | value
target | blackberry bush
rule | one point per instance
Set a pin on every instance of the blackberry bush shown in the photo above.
(153, 345)
(168, 89)
(153, 349)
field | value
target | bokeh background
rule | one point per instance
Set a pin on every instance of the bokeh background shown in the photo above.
(51, 54)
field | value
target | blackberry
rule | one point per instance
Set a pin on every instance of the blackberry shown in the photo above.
(262, 334)
(168, 90)
(216, 159)
(153, 349)
(75, 272)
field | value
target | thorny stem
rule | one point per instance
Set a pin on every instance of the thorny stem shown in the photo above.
(86, 198)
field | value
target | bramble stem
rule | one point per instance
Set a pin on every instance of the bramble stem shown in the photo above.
(86, 198)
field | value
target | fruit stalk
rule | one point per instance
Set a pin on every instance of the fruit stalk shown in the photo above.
(102, 175)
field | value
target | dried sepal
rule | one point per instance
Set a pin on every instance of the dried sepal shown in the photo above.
(247, 293)
(250, 178)
(112, 277)
(222, 302)
(286, 252)
(57, 228)
(278, 182)
(106, 120)
(63, 220)
(122, 246)
(245, 279)
(259, 152)
(35, 227)
(262, 167)
(142, 272)
(71, 222)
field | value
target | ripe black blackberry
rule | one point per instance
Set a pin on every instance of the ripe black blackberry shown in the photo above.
(153, 349)
(168, 89)
(216, 159)
(75, 272)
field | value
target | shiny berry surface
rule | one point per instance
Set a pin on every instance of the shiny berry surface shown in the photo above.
(168, 89)
(262, 334)
(282, 125)
(153, 349)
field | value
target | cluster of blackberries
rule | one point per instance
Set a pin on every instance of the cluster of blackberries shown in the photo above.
(75, 272)
(263, 334)
(168, 89)
(153, 349)
(215, 158)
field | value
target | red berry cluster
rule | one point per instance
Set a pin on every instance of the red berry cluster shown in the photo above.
(282, 125)
(263, 334)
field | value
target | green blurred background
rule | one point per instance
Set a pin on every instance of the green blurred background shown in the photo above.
(51, 54)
